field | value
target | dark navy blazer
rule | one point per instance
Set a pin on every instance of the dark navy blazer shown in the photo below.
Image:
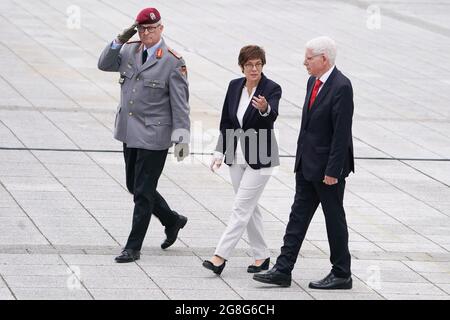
(325, 145)
(257, 137)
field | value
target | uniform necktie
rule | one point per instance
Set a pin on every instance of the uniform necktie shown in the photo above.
(315, 90)
(144, 56)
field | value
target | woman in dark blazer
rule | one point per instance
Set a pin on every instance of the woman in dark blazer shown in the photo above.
(248, 146)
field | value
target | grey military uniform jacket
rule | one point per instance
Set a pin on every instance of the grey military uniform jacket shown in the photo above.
(154, 111)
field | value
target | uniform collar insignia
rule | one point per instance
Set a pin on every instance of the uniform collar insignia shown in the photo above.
(159, 53)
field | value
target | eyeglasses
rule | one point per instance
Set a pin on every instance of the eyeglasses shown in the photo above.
(149, 28)
(249, 66)
(311, 57)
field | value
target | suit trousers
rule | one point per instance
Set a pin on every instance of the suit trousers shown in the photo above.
(248, 185)
(308, 195)
(143, 169)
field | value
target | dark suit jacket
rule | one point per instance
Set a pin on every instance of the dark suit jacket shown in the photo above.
(256, 136)
(325, 145)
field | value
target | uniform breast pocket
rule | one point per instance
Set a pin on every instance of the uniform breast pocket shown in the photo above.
(155, 87)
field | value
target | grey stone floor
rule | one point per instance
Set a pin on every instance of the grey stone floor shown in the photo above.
(64, 209)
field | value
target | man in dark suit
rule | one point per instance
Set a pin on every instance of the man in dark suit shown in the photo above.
(324, 159)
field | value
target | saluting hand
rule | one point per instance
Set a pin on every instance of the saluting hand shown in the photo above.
(260, 103)
(127, 33)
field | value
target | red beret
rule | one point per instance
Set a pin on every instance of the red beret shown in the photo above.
(148, 16)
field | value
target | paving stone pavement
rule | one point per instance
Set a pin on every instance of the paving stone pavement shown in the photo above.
(64, 209)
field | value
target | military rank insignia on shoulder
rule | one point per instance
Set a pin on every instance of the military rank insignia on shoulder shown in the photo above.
(176, 54)
(183, 71)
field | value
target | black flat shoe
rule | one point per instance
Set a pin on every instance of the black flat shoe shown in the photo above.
(128, 255)
(331, 282)
(216, 269)
(273, 276)
(172, 232)
(264, 266)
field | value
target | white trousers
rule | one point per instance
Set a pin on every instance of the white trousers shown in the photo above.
(248, 185)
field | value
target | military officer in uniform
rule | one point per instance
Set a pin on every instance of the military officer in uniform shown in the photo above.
(153, 114)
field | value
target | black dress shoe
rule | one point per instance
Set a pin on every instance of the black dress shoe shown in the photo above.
(273, 276)
(216, 269)
(172, 232)
(264, 266)
(128, 255)
(332, 282)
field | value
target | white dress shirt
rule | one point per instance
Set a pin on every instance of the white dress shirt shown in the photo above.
(244, 101)
(243, 105)
(325, 77)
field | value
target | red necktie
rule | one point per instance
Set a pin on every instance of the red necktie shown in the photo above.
(317, 85)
